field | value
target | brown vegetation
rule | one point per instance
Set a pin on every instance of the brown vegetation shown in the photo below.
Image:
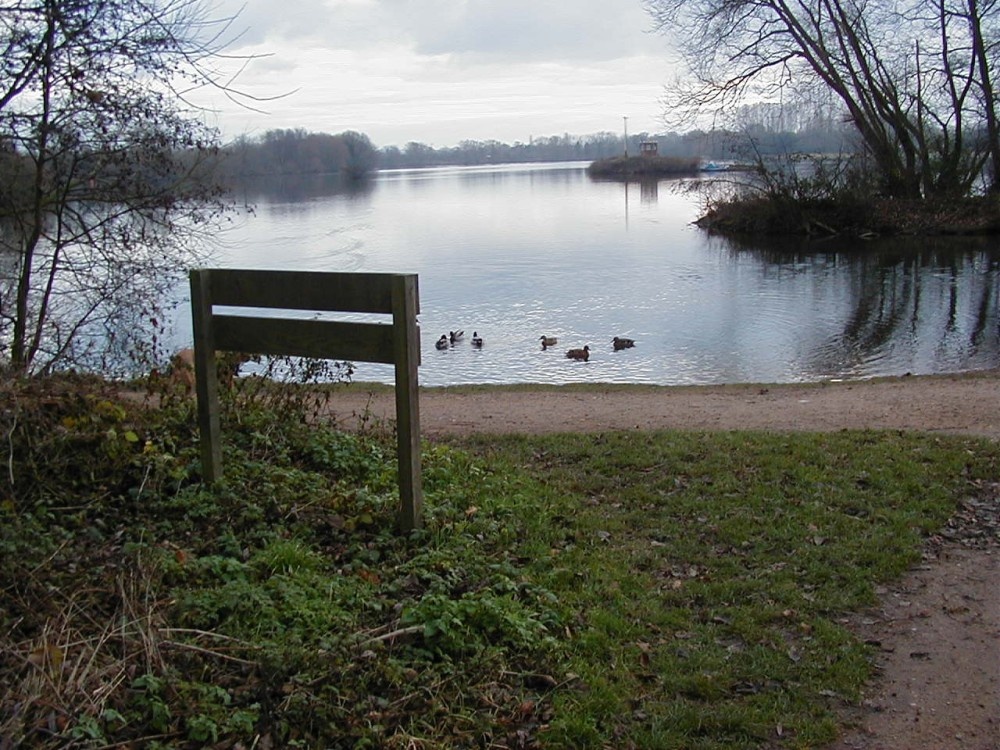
(858, 218)
(618, 167)
(179, 377)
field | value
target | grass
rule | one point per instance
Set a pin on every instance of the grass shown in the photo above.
(653, 590)
(706, 574)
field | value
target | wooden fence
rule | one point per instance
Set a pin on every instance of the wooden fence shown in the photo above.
(397, 343)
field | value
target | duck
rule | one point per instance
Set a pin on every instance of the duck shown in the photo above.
(455, 336)
(622, 343)
(579, 354)
(442, 343)
(548, 341)
(477, 341)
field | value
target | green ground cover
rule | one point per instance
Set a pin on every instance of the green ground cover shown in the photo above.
(653, 590)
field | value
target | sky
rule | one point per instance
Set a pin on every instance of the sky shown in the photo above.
(442, 71)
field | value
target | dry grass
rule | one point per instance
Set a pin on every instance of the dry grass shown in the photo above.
(81, 660)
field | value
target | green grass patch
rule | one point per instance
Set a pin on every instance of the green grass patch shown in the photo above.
(705, 576)
(674, 590)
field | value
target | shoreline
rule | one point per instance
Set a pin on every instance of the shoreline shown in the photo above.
(991, 372)
(960, 403)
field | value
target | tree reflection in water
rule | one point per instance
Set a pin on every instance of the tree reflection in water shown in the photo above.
(937, 295)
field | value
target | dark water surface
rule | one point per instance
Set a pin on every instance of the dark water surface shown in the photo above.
(515, 252)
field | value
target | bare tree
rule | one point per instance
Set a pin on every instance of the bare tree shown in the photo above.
(914, 76)
(105, 189)
(983, 21)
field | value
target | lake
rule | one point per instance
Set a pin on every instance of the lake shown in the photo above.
(515, 252)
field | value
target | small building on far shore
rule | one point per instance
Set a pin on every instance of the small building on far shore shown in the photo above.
(649, 148)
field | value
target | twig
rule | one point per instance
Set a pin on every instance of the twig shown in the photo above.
(207, 634)
(40, 565)
(10, 450)
(142, 485)
(391, 636)
(209, 652)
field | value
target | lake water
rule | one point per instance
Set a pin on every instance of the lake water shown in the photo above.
(517, 252)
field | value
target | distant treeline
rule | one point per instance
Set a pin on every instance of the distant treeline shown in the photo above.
(714, 144)
(352, 154)
(299, 152)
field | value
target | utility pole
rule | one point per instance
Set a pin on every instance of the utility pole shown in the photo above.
(625, 118)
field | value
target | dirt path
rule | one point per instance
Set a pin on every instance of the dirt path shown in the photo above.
(937, 630)
(938, 635)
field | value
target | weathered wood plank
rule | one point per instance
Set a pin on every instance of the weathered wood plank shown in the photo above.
(205, 378)
(304, 290)
(319, 339)
(406, 354)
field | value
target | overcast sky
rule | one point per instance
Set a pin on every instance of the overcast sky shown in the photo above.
(441, 71)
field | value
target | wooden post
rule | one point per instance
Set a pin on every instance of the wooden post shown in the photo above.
(205, 376)
(406, 351)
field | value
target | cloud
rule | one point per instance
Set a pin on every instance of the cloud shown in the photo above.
(440, 71)
(258, 21)
(475, 30)
(519, 30)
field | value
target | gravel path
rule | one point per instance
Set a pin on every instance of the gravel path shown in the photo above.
(967, 404)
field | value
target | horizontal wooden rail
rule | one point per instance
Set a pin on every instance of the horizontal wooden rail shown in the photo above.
(304, 290)
(319, 339)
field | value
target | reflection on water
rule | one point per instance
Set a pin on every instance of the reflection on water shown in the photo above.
(518, 251)
(927, 306)
(294, 189)
(649, 191)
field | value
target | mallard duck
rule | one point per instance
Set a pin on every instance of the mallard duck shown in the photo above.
(455, 336)
(622, 343)
(548, 341)
(579, 354)
(476, 340)
(442, 343)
